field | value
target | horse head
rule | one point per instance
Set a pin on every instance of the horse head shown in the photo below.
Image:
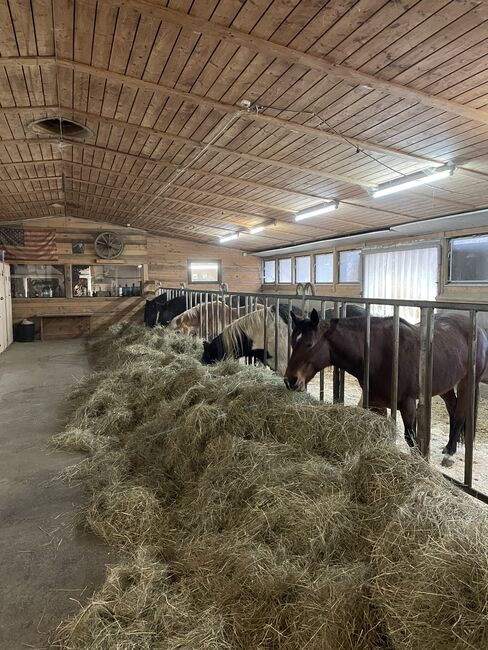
(150, 313)
(210, 352)
(310, 350)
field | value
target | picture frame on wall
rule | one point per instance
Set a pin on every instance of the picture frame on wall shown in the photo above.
(78, 247)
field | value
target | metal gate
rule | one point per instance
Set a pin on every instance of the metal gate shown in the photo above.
(246, 302)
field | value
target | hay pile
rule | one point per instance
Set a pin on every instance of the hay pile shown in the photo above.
(249, 517)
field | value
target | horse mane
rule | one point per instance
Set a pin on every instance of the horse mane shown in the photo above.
(189, 313)
(248, 325)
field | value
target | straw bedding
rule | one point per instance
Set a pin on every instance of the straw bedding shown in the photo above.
(248, 517)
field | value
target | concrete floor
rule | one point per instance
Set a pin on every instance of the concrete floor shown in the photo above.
(46, 564)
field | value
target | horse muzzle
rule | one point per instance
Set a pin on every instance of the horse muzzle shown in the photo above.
(292, 383)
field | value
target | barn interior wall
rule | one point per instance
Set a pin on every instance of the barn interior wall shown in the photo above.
(164, 260)
(446, 291)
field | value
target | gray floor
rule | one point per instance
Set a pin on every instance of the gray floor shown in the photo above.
(45, 563)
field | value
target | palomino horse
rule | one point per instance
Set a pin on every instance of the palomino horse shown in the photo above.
(245, 338)
(215, 314)
(340, 342)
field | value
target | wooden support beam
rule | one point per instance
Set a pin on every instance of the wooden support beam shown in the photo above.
(308, 61)
(221, 107)
(319, 173)
(13, 61)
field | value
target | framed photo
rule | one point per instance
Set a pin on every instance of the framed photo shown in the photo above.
(78, 247)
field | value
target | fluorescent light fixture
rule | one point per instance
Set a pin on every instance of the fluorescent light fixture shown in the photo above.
(229, 238)
(413, 180)
(316, 211)
(256, 230)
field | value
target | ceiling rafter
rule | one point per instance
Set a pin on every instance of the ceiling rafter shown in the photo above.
(182, 187)
(289, 55)
(154, 132)
(250, 116)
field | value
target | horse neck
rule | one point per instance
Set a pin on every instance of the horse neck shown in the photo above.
(346, 348)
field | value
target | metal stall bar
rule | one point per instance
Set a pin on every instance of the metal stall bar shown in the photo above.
(394, 362)
(277, 333)
(425, 380)
(265, 332)
(206, 316)
(336, 376)
(322, 372)
(341, 373)
(470, 428)
(288, 341)
(366, 354)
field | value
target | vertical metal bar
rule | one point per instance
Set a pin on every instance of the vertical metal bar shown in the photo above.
(238, 306)
(342, 374)
(366, 354)
(277, 333)
(425, 380)
(395, 363)
(213, 312)
(336, 378)
(265, 332)
(470, 428)
(290, 327)
(322, 373)
(206, 316)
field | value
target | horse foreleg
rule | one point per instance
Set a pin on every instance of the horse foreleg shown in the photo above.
(408, 411)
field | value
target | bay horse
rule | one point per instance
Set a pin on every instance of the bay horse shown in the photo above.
(317, 344)
(190, 321)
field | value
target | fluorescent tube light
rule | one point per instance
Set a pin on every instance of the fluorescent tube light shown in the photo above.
(229, 238)
(254, 231)
(316, 211)
(413, 180)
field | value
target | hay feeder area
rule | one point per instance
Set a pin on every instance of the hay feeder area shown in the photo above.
(248, 517)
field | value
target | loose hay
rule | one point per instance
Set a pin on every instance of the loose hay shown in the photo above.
(252, 517)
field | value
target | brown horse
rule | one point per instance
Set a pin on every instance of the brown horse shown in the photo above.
(340, 342)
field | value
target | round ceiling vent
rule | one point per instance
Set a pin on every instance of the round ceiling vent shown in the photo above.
(59, 127)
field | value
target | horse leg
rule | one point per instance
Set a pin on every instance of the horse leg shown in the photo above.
(450, 400)
(459, 420)
(408, 411)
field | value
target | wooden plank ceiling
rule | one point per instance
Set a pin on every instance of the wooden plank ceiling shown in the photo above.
(351, 93)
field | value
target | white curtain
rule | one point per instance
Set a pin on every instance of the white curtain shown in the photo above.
(407, 274)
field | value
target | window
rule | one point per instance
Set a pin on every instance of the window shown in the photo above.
(38, 281)
(324, 268)
(302, 269)
(468, 259)
(269, 272)
(400, 274)
(106, 280)
(284, 271)
(206, 272)
(349, 266)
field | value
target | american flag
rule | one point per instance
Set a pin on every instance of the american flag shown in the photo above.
(28, 244)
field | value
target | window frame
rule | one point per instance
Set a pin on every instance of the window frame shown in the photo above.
(89, 265)
(207, 261)
(331, 253)
(285, 259)
(273, 261)
(449, 280)
(13, 276)
(348, 250)
(297, 257)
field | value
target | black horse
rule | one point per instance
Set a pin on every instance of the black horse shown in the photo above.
(151, 309)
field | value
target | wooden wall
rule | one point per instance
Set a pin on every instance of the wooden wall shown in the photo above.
(164, 262)
(448, 292)
(168, 262)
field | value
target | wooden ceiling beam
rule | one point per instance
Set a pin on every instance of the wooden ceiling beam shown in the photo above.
(221, 107)
(319, 64)
(182, 187)
(218, 149)
(13, 61)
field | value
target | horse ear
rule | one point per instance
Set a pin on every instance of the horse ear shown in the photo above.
(314, 317)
